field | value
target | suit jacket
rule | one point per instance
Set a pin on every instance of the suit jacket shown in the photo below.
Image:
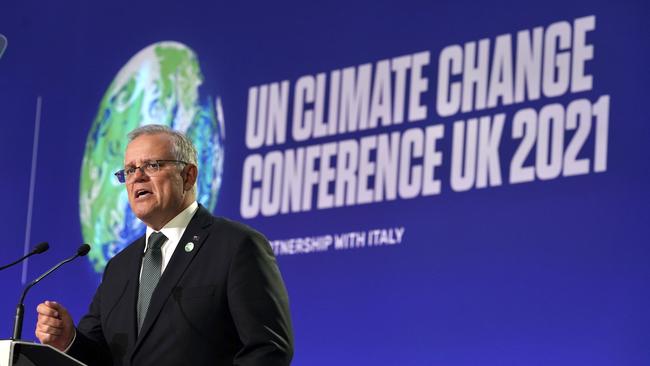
(222, 303)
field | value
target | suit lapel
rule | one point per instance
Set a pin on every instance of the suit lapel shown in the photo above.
(133, 276)
(196, 233)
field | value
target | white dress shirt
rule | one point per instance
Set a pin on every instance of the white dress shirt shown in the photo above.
(173, 230)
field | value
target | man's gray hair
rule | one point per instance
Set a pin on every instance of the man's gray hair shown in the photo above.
(182, 147)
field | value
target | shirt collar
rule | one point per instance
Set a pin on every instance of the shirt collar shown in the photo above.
(175, 228)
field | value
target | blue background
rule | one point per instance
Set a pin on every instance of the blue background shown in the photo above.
(545, 273)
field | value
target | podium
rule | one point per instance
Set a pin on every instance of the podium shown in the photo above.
(22, 353)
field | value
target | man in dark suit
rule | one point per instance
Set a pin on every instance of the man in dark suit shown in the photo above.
(195, 290)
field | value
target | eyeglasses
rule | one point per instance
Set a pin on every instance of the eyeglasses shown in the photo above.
(150, 168)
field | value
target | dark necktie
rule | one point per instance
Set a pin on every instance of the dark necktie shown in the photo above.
(151, 268)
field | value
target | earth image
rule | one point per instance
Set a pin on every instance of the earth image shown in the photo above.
(160, 85)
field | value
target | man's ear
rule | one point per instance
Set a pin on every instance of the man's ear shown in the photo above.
(191, 172)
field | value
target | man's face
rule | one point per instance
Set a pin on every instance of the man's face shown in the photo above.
(158, 198)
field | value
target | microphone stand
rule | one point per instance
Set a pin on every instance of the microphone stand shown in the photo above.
(20, 308)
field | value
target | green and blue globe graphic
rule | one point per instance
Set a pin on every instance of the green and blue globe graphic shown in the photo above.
(160, 85)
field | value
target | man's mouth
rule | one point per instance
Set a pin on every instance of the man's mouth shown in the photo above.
(142, 193)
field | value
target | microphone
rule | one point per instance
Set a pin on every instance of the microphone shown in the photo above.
(40, 248)
(20, 308)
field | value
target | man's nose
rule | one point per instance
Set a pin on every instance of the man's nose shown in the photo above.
(139, 174)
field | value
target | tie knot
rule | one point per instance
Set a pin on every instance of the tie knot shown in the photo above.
(156, 240)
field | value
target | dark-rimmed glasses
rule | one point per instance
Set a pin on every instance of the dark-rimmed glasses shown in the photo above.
(149, 168)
